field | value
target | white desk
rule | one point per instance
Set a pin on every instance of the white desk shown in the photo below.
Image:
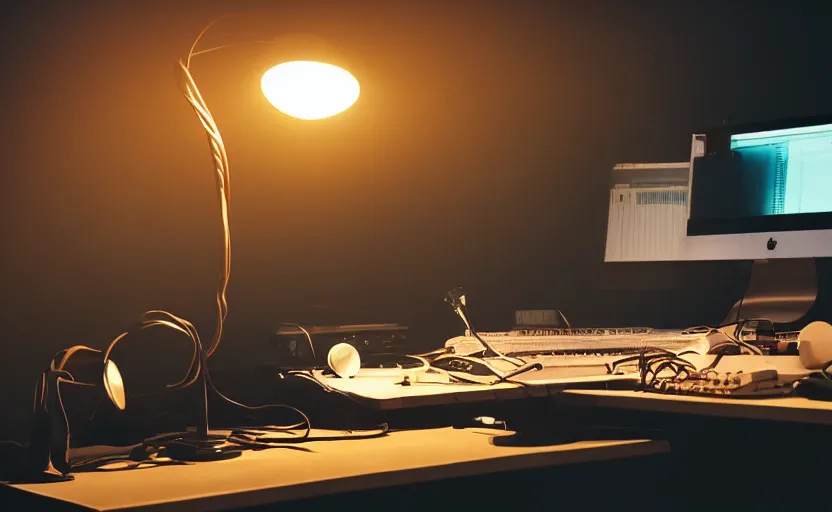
(788, 409)
(388, 394)
(277, 475)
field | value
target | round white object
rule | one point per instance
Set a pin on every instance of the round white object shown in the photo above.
(344, 360)
(815, 345)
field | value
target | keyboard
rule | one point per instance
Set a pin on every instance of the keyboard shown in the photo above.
(583, 342)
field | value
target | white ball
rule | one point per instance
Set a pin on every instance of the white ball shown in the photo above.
(814, 345)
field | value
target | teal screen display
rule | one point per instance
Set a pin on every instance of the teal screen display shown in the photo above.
(792, 169)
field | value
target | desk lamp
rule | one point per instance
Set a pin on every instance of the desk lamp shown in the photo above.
(76, 366)
(305, 90)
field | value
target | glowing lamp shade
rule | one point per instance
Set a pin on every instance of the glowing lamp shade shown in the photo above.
(114, 384)
(310, 90)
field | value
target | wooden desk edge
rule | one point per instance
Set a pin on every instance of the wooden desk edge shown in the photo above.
(372, 481)
(252, 498)
(750, 408)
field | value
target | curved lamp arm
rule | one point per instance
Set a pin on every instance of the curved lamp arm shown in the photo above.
(282, 85)
(223, 181)
(159, 318)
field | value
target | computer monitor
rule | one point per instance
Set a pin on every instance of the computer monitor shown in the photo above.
(761, 194)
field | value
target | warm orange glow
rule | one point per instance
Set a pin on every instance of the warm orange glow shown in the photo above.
(113, 384)
(310, 90)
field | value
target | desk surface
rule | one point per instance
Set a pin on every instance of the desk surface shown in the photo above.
(388, 394)
(332, 467)
(789, 409)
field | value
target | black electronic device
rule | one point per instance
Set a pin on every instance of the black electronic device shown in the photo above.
(304, 347)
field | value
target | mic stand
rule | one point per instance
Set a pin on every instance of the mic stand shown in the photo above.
(201, 444)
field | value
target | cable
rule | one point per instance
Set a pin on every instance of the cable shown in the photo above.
(651, 364)
(308, 338)
(222, 177)
(457, 301)
(714, 363)
(222, 174)
(305, 421)
(517, 371)
(223, 181)
(433, 353)
(251, 436)
(305, 374)
(646, 351)
(497, 353)
(229, 45)
(501, 377)
(563, 317)
(736, 337)
(159, 318)
(654, 367)
(199, 364)
(739, 338)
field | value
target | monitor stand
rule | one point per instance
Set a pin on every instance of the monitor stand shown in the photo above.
(780, 290)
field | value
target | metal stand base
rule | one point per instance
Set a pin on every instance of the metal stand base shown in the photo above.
(195, 447)
(781, 290)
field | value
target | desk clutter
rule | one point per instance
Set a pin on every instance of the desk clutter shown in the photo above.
(743, 360)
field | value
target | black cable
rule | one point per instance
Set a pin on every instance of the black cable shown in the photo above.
(652, 363)
(736, 338)
(308, 338)
(233, 402)
(243, 442)
(128, 463)
(653, 351)
(665, 364)
(501, 377)
(687, 352)
(159, 318)
(461, 309)
(305, 374)
(250, 435)
(523, 369)
(563, 317)
(713, 364)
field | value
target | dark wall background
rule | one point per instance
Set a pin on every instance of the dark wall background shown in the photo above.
(478, 155)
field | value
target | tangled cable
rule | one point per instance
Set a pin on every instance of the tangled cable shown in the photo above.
(158, 318)
(223, 180)
(736, 339)
(653, 362)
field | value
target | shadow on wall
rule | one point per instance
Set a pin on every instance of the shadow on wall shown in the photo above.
(670, 294)
(682, 294)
